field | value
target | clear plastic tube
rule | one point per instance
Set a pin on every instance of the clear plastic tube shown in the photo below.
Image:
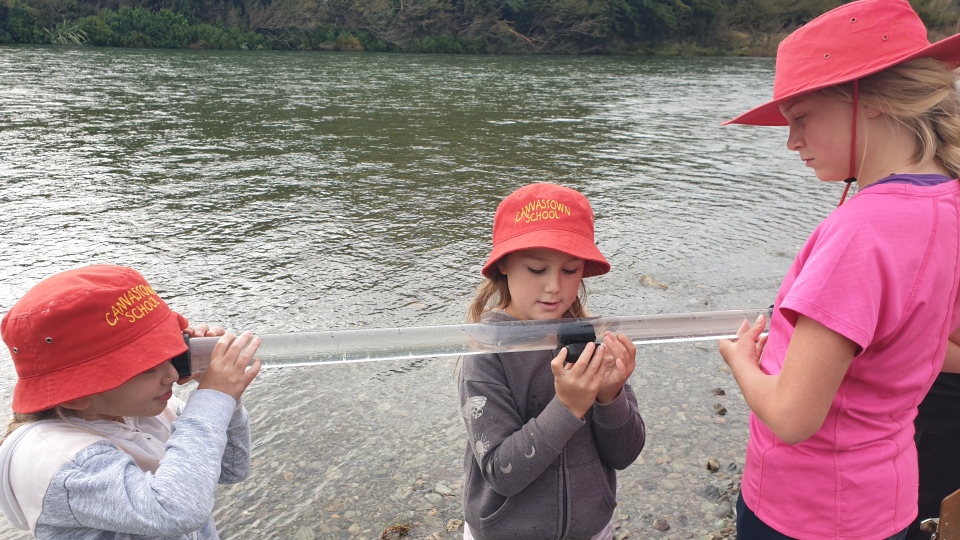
(371, 345)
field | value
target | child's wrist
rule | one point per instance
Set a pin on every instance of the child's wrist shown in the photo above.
(605, 398)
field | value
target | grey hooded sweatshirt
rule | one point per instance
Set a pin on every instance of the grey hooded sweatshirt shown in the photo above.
(534, 471)
(146, 478)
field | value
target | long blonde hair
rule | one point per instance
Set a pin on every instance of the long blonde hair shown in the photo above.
(922, 96)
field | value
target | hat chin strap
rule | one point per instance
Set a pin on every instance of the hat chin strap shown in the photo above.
(853, 144)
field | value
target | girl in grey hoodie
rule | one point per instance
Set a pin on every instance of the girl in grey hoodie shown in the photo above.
(545, 432)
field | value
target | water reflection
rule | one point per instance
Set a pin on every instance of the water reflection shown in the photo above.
(291, 192)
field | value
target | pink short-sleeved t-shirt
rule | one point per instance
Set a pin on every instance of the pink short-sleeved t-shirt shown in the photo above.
(883, 271)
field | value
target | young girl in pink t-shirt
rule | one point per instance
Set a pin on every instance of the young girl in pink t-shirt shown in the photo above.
(861, 322)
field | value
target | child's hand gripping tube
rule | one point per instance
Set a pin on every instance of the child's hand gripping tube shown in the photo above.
(574, 337)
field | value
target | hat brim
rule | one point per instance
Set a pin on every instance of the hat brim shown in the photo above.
(106, 372)
(946, 50)
(568, 242)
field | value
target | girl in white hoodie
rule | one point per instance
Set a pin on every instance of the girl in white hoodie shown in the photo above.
(99, 448)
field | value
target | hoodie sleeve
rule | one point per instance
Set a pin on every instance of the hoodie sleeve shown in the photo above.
(235, 466)
(103, 488)
(618, 429)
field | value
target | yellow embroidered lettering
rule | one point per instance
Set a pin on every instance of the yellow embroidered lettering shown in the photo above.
(542, 209)
(126, 304)
(141, 311)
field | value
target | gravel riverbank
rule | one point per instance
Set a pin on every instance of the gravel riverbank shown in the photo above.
(376, 452)
(370, 451)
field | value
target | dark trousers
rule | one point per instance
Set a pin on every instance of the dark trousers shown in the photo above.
(939, 474)
(749, 526)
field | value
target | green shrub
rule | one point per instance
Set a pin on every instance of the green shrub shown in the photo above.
(66, 33)
(135, 40)
(97, 31)
(140, 27)
(371, 43)
(437, 44)
(322, 34)
(24, 24)
(348, 42)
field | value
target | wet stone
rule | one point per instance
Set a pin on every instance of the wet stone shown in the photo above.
(711, 492)
(724, 509)
(304, 533)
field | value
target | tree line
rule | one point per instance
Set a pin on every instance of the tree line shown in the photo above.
(703, 27)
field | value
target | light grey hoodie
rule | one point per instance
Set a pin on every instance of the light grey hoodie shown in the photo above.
(148, 478)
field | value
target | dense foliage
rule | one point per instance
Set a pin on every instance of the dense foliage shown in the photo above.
(444, 26)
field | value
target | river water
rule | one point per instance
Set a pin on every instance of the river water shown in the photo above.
(285, 192)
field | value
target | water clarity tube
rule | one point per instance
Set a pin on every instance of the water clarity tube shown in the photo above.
(377, 344)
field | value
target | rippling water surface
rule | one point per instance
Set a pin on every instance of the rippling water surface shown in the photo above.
(286, 192)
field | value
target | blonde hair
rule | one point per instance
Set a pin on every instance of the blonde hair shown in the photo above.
(494, 294)
(920, 95)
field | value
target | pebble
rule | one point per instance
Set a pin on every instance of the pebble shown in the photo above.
(649, 281)
(304, 533)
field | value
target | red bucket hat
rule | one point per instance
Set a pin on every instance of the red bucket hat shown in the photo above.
(546, 215)
(86, 331)
(845, 44)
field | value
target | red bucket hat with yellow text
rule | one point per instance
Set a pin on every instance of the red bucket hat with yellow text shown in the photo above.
(845, 44)
(545, 215)
(86, 331)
